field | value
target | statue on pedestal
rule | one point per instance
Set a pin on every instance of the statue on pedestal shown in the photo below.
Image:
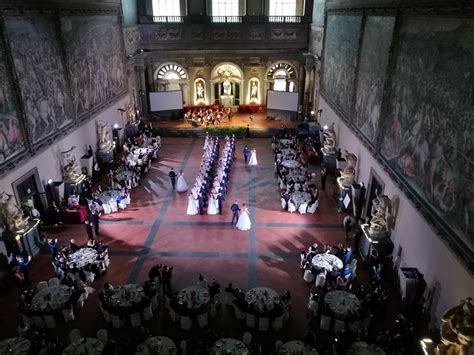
(131, 114)
(11, 214)
(329, 145)
(70, 166)
(380, 212)
(348, 173)
(227, 87)
(457, 329)
(104, 135)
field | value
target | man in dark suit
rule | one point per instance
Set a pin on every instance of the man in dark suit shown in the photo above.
(201, 204)
(246, 154)
(95, 221)
(88, 227)
(235, 212)
(220, 201)
(324, 173)
(172, 176)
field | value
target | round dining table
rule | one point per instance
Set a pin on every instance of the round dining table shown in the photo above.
(363, 348)
(300, 197)
(16, 345)
(123, 298)
(226, 346)
(288, 153)
(342, 303)
(290, 164)
(89, 346)
(52, 298)
(262, 298)
(285, 142)
(82, 258)
(109, 196)
(296, 347)
(158, 345)
(195, 296)
(327, 261)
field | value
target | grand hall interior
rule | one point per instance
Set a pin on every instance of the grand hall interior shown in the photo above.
(245, 177)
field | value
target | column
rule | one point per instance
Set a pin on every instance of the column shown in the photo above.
(143, 93)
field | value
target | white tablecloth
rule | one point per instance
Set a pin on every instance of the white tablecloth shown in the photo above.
(109, 195)
(285, 142)
(290, 164)
(158, 345)
(124, 296)
(16, 346)
(55, 296)
(326, 261)
(89, 346)
(82, 258)
(362, 348)
(194, 296)
(262, 296)
(288, 153)
(300, 198)
(342, 303)
(296, 177)
(226, 346)
(296, 347)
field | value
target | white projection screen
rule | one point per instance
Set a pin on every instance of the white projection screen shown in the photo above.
(282, 100)
(166, 100)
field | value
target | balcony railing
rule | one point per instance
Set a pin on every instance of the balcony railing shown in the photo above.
(285, 19)
(226, 19)
(168, 19)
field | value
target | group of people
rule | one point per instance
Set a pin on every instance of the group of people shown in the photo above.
(208, 116)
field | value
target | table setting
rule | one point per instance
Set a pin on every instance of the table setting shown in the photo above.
(300, 197)
(194, 296)
(288, 153)
(82, 258)
(89, 346)
(296, 347)
(16, 345)
(290, 164)
(285, 142)
(157, 345)
(51, 298)
(124, 299)
(262, 298)
(363, 348)
(109, 196)
(327, 261)
(342, 303)
(226, 346)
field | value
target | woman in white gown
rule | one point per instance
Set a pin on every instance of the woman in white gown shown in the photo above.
(212, 207)
(192, 206)
(181, 186)
(243, 223)
(253, 157)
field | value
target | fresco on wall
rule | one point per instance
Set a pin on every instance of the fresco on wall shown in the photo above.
(35, 49)
(428, 138)
(316, 40)
(340, 54)
(371, 77)
(318, 12)
(95, 58)
(11, 139)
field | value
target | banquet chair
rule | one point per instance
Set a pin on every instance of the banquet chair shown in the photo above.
(90, 277)
(49, 321)
(147, 312)
(41, 285)
(297, 187)
(68, 314)
(113, 206)
(283, 203)
(38, 322)
(75, 336)
(249, 320)
(247, 338)
(291, 207)
(80, 302)
(278, 345)
(278, 323)
(308, 276)
(27, 320)
(174, 316)
(353, 266)
(367, 321)
(302, 208)
(102, 335)
(213, 310)
(107, 208)
(263, 324)
(53, 281)
(23, 331)
(106, 315)
(135, 320)
(282, 185)
(313, 207)
(286, 312)
(182, 347)
(339, 325)
(122, 205)
(325, 322)
(353, 327)
(154, 302)
(186, 322)
(203, 320)
(238, 312)
(117, 321)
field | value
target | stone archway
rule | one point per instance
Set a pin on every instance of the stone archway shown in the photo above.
(227, 84)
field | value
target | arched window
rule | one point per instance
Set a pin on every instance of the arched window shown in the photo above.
(283, 76)
(280, 80)
(170, 76)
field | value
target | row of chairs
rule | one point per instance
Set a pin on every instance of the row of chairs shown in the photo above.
(303, 208)
(202, 319)
(135, 318)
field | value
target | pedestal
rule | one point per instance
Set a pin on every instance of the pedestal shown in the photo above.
(358, 198)
(380, 241)
(329, 161)
(344, 197)
(87, 163)
(105, 157)
(227, 100)
(29, 240)
(341, 163)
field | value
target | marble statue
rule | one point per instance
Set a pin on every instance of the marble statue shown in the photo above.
(380, 212)
(131, 114)
(457, 329)
(227, 87)
(329, 145)
(70, 166)
(199, 91)
(104, 135)
(348, 173)
(11, 214)
(254, 90)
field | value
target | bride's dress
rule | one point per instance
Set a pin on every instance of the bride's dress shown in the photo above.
(212, 207)
(253, 158)
(192, 206)
(243, 222)
(181, 186)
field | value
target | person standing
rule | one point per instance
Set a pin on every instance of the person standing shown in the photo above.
(88, 227)
(24, 267)
(235, 212)
(95, 221)
(166, 277)
(244, 223)
(246, 154)
(53, 247)
(324, 173)
(172, 176)
(247, 132)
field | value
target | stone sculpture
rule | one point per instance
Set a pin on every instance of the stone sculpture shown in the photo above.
(329, 145)
(348, 173)
(227, 87)
(380, 212)
(104, 135)
(11, 214)
(131, 115)
(457, 329)
(70, 166)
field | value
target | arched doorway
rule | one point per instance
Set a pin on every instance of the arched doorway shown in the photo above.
(172, 77)
(227, 84)
(281, 76)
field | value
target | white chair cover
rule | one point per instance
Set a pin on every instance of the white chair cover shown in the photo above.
(312, 208)
(107, 208)
(291, 207)
(122, 205)
(278, 345)
(135, 320)
(102, 335)
(117, 322)
(263, 324)
(339, 325)
(49, 321)
(278, 323)
(113, 206)
(90, 277)
(53, 281)
(186, 323)
(75, 336)
(80, 303)
(283, 203)
(308, 276)
(68, 314)
(173, 315)
(247, 338)
(147, 312)
(203, 320)
(41, 285)
(249, 320)
(325, 322)
(302, 208)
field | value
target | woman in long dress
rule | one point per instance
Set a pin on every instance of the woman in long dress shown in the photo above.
(181, 186)
(192, 206)
(253, 157)
(212, 207)
(243, 223)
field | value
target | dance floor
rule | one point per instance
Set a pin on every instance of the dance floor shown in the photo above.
(156, 229)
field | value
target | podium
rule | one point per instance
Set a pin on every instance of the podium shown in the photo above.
(227, 100)
(87, 162)
(379, 241)
(343, 197)
(28, 240)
